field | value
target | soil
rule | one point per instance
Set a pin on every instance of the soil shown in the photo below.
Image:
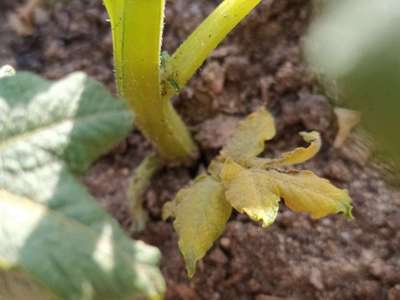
(261, 63)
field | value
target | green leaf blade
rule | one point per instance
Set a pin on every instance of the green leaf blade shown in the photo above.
(51, 229)
(51, 121)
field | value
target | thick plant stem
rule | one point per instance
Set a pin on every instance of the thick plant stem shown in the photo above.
(188, 58)
(137, 28)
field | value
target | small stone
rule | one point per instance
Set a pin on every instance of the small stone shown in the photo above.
(218, 257)
(215, 133)
(394, 293)
(225, 243)
(316, 279)
(214, 75)
(124, 171)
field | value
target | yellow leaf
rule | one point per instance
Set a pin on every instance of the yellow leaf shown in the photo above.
(303, 191)
(296, 156)
(230, 170)
(215, 166)
(251, 192)
(201, 214)
(249, 138)
(168, 210)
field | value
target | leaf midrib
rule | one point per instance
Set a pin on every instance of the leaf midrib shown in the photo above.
(81, 119)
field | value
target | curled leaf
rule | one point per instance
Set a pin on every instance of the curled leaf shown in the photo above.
(303, 191)
(296, 156)
(201, 213)
(252, 192)
(249, 138)
(347, 119)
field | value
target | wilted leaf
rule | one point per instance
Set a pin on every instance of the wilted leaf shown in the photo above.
(296, 156)
(229, 170)
(251, 192)
(249, 138)
(201, 214)
(347, 119)
(51, 229)
(303, 191)
(138, 184)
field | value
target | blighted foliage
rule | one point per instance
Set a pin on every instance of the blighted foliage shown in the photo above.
(239, 179)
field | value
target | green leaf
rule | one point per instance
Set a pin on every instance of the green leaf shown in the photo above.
(6, 71)
(251, 192)
(51, 229)
(249, 138)
(201, 213)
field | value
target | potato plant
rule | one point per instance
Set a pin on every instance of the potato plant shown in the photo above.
(55, 241)
(239, 179)
(147, 80)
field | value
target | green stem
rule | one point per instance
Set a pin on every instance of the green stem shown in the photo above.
(189, 57)
(137, 28)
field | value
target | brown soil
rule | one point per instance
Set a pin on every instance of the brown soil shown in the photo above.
(259, 64)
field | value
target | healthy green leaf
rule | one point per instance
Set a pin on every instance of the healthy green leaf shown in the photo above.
(201, 213)
(51, 229)
(6, 71)
(249, 138)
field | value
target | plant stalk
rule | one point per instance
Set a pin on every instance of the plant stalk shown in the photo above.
(189, 57)
(137, 28)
